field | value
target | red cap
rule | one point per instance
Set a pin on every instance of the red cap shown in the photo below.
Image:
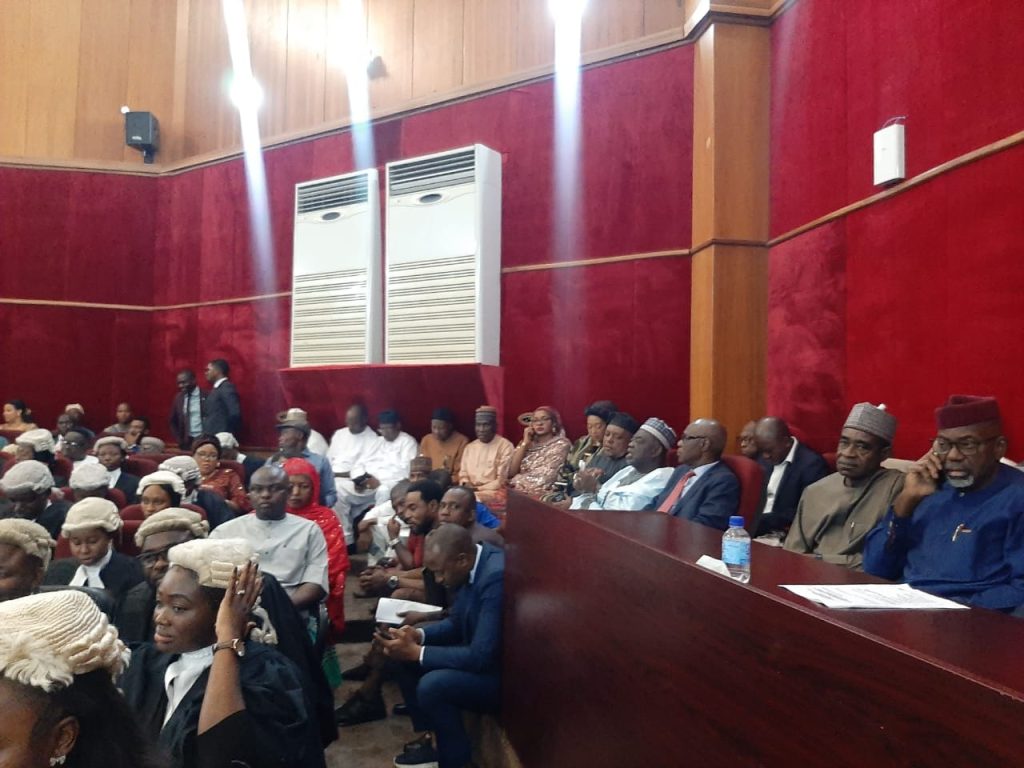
(964, 410)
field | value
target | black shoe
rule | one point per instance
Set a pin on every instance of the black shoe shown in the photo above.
(400, 710)
(358, 710)
(360, 672)
(421, 755)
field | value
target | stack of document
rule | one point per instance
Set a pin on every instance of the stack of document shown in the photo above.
(388, 609)
(887, 596)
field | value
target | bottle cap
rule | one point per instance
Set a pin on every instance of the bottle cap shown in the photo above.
(736, 521)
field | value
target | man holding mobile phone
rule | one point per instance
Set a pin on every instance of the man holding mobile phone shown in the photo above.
(957, 527)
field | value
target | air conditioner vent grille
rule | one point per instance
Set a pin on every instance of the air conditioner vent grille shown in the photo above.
(432, 310)
(329, 318)
(432, 173)
(332, 193)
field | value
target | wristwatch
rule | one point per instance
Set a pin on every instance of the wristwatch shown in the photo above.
(394, 542)
(393, 582)
(237, 645)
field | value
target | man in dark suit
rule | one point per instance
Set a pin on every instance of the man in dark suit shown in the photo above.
(454, 664)
(702, 488)
(187, 413)
(789, 467)
(223, 411)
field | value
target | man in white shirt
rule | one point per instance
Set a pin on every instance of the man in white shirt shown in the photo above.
(390, 462)
(635, 486)
(292, 549)
(351, 447)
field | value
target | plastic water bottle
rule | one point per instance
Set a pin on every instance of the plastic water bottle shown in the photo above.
(736, 550)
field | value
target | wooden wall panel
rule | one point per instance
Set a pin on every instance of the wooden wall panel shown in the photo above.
(306, 63)
(663, 16)
(102, 79)
(151, 74)
(14, 66)
(51, 77)
(336, 99)
(211, 121)
(535, 44)
(268, 51)
(490, 31)
(389, 30)
(66, 66)
(611, 22)
(437, 46)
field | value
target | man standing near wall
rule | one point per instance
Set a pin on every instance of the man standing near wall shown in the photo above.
(223, 408)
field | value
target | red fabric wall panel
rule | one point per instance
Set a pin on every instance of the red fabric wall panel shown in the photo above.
(618, 331)
(841, 70)
(569, 336)
(96, 357)
(806, 333)
(931, 308)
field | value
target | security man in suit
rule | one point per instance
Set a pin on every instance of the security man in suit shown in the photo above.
(223, 411)
(702, 488)
(454, 664)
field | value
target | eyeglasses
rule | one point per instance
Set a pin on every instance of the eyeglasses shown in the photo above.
(149, 558)
(967, 446)
(74, 443)
(693, 437)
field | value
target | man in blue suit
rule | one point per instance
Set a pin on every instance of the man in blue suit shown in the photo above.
(702, 488)
(454, 664)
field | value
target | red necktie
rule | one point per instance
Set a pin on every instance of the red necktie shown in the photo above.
(667, 504)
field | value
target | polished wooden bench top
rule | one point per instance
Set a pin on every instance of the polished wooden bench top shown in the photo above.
(619, 651)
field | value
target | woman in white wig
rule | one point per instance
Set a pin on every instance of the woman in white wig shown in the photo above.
(58, 703)
(208, 689)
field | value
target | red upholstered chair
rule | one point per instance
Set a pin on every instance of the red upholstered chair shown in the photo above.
(127, 545)
(830, 459)
(160, 458)
(139, 466)
(751, 478)
(115, 495)
(134, 511)
(10, 434)
(62, 467)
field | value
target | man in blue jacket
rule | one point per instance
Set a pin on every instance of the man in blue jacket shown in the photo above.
(702, 488)
(454, 664)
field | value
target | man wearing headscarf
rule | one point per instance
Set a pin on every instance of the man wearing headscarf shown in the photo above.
(485, 461)
(27, 486)
(444, 444)
(836, 513)
(957, 527)
(636, 486)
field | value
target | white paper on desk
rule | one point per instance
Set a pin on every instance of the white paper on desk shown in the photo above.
(388, 609)
(713, 564)
(884, 596)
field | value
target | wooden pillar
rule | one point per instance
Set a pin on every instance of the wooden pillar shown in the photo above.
(730, 212)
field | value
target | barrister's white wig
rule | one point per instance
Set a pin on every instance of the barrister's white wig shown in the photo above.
(91, 512)
(49, 638)
(29, 537)
(172, 519)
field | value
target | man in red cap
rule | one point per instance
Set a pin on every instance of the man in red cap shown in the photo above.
(957, 527)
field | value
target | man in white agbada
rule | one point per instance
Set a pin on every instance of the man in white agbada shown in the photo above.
(636, 486)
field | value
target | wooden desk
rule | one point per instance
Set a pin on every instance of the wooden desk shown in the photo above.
(620, 652)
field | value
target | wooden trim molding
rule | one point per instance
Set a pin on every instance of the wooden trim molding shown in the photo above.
(950, 165)
(142, 308)
(679, 252)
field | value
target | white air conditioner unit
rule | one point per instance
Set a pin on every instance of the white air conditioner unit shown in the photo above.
(443, 274)
(336, 292)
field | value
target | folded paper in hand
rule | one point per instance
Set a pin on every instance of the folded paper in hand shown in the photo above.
(388, 609)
